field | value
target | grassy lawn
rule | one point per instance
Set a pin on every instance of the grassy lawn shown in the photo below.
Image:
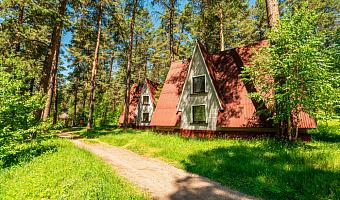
(66, 172)
(264, 168)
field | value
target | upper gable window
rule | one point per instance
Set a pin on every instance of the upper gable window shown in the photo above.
(146, 100)
(198, 84)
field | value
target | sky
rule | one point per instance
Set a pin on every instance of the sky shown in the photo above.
(67, 36)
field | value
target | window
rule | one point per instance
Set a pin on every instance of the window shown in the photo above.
(199, 84)
(198, 113)
(146, 100)
(145, 117)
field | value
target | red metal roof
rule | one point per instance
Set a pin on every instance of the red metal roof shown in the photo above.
(165, 113)
(224, 68)
(239, 109)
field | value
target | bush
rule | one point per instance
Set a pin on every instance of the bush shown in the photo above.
(17, 105)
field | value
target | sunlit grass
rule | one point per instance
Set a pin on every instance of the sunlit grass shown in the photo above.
(264, 168)
(66, 173)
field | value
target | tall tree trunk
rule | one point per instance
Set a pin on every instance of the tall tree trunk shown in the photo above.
(85, 93)
(54, 59)
(94, 70)
(55, 113)
(128, 71)
(20, 21)
(221, 27)
(158, 73)
(46, 71)
(172, 10)
(297, 127)
(75, 101)
(140, 68)
(32, 86)
(272, 16)
(136, 48)
(110, 73)
(204, 26)
(179, 39)
(52, 80)
(145, 66)
(272, 13)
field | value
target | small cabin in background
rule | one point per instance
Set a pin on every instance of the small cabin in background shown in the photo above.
(143, 102)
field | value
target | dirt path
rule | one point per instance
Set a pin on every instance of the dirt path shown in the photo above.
(161, 179)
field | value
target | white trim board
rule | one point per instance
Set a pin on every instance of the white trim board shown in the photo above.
(192, 112)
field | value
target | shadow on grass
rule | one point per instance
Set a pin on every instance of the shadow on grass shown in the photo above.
(24, 152)
(272, 174)
(326, 133)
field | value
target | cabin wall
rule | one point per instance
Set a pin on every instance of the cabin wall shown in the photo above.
(141, 108)
(209, 99)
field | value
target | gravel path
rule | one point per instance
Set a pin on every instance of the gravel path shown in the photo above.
(160, 179)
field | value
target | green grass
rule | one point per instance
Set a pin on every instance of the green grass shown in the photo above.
(264, 168)
(67, 172)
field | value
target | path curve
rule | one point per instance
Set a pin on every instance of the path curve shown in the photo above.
(161, 179)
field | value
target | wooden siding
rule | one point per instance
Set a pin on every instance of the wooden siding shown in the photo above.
(209, 99)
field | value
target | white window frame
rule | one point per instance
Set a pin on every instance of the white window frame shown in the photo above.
(143, 117)
(148, 100)
(192, 112)
(192, 83)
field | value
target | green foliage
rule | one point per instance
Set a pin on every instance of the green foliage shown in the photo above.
(17, 105)
(16, 153)
(264, 168)
(295, 73)
(66, 173)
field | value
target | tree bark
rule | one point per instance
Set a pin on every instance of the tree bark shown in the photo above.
(85, 92)
(53, 62)
(55, 113)
(128, 70)
(20, 21)
(179, 39)
(221, 27)
(52, 80)
(75, 102)
(32, 86)
(272, 13)
(136, 48)
(172, 10)
(145, 66)
(204, 25)
(94, 70)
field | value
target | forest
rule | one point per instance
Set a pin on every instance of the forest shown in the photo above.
(82, 58)
(116, 42)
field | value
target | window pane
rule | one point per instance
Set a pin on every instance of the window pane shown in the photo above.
(145, 99)
(199, 84)
(145, 117)
(199, 113)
